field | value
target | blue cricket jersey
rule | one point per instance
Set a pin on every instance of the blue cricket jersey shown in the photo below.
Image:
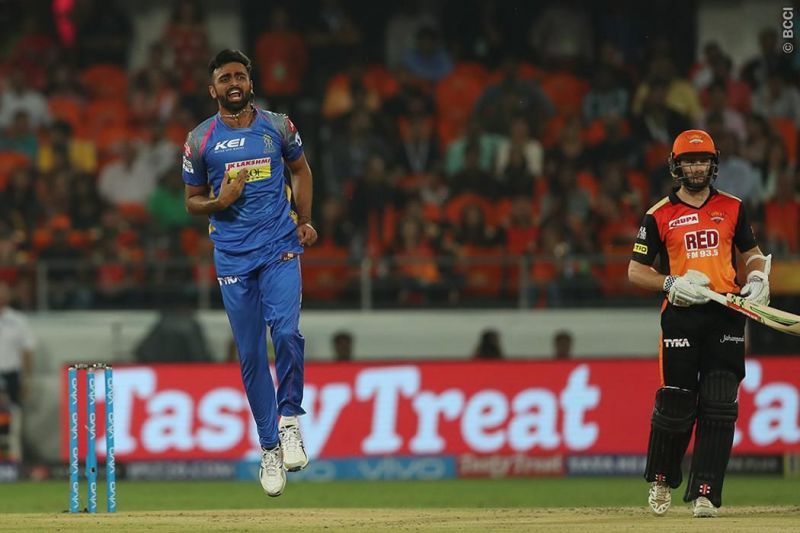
(261, 221)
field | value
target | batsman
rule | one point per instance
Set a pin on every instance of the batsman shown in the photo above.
(694, 234)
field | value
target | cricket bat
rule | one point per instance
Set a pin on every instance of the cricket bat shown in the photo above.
(771, 317)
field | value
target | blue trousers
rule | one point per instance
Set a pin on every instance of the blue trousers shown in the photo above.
(269, 295)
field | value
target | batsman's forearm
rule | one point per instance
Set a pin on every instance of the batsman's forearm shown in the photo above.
(303, 190)
(645, 277)
(202, 205)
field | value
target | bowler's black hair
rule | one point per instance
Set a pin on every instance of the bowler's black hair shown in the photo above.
(229, 56)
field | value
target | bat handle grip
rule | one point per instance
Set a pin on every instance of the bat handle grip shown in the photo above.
(717, 297)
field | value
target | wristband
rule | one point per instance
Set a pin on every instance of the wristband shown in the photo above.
(668, 282)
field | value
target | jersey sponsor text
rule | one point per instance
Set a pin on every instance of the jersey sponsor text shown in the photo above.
(686, 220)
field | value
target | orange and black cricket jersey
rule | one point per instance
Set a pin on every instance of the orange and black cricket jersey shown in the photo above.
(702, 238)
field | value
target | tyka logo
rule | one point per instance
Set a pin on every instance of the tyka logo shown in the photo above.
(676, 343)
(229, 144)
(228, 280)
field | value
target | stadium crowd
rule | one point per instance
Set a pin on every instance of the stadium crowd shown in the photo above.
(444, 148)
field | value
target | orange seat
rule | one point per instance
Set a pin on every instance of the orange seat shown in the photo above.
(521, 240)
(782, 222)
(68, 110)
(189, 242)
(612, 275)
(639, 183)
(79, 239)
(788, 132)
(102, 114)
(10, 274)
(587, 182)
(326, 271)
(9, 162)
(566, 91)
(176, 133)
(541, 271)
(552, 129)
(456, 95)
(432, 212)
(41, 239)
(483, 269)
(107, 138)
(594, 133)
(454, 207)
(655, 155)
(133, 212)
(105, 81)
(111, 274)
(378, 78)
(390, 217)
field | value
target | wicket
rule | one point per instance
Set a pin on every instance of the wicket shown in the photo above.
(91, 434)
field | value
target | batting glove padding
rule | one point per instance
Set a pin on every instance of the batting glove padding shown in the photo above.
(685, 290)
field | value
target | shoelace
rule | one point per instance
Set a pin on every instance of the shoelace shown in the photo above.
(292, 440)
(661, 492)
(271, 460)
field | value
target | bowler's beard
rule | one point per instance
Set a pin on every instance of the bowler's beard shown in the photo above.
(235, 107)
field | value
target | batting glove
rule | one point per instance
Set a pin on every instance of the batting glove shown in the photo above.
(683, 291)
(756, 289)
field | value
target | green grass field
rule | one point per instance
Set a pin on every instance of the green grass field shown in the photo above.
(50, 496)
(541, 504)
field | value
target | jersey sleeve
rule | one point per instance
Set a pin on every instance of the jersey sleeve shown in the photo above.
(743, 236)
(194, 168)
(291, 144)
(648, 242)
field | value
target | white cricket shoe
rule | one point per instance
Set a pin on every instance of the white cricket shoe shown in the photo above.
(271, 474)
(703, 508)
(660, 498)
(294, 453)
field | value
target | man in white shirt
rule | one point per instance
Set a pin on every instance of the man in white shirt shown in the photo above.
(129, 179)
(16, 347)
(17, 96)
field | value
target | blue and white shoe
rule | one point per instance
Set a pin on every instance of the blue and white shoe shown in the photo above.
(271, 474)
(294, 452)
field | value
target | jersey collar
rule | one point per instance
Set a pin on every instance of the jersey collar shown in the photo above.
(221, 122)
(673, 197)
